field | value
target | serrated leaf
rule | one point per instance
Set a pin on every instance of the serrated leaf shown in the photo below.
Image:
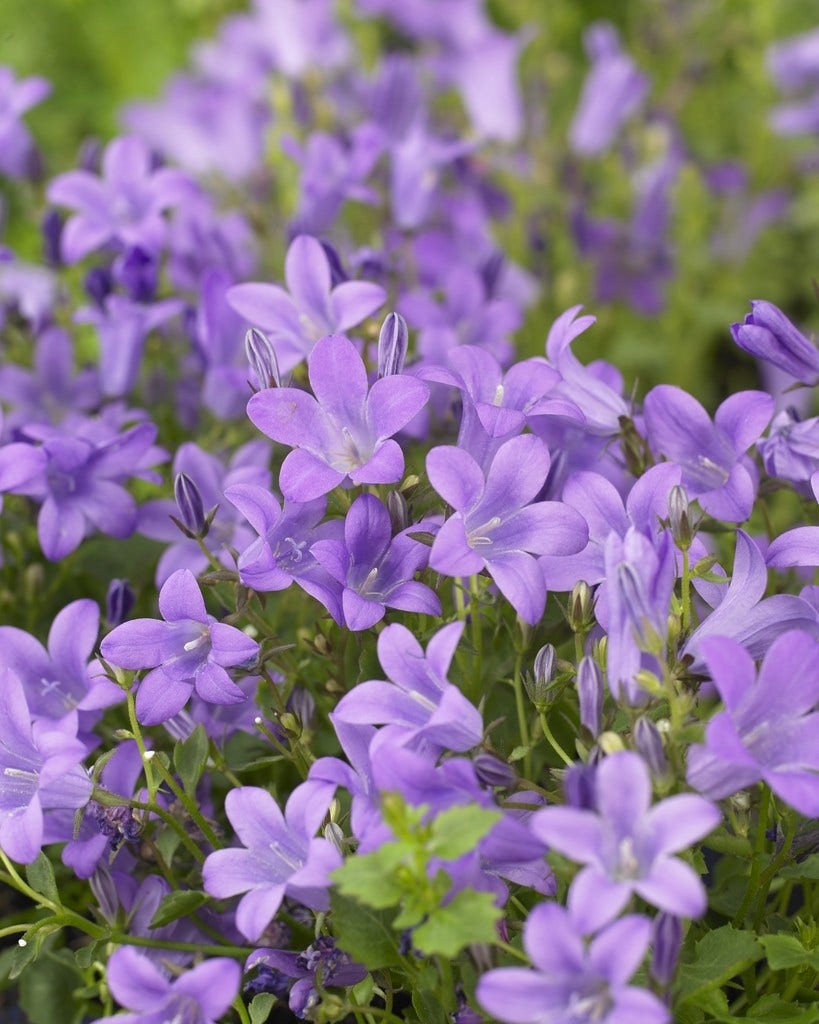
(718, 957)
(369, 877)
(364, 932)
(428, 1007)
(40, 876)
(807, 869)
(176, 905)
(190, 757)
(468, 918)
(773, 1010)
(785, 951)
(458, 830)
(260, 1007)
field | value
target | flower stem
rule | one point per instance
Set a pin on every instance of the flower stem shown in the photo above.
(190, 806)
(547, 732)
(756, 863)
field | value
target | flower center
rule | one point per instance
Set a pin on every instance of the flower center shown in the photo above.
(478, 536)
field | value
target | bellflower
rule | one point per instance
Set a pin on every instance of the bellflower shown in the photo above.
(16, 97)
(791, 449)
(572, 980)
(189, 651)
(768, 729)
(40, 772)
(496, 526)
(627, 845)
(125, 205)
(768, 334)
(345, 431)
(21, 465)
(419, 703)
(310, 309)
(218, 338)
(279, 855)
(374, 568)
(202, 994)
(715, 469)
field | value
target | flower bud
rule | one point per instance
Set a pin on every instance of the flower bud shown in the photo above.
(491, 771)
(610, 743)
(334, 836)
(393, 342)
(399, 511)
(667, 940)
(98, 284)
(51, 228)
(190, 505)
(544, 668)
(682, 519)
(590, 693)
(119, 602)
(261, 357)
(581, 608)
(301, 705)
(138, 273)
(578, 786)
(649, 743)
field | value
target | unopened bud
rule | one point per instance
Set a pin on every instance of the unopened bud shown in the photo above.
(539, 685)
(51, 228)
(649, 743)
(578, 786)
(581, 608)
(261, 357)
(119, 602)
(301, 705)
(610, 743)
(334, 835)
(590, 693)
(138, 273)
(493, 772)
(393, 342)
(399, 511)
(683, 523)
(190, 504)
(667, 940)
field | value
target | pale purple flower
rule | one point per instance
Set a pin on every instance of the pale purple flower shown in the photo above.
(299, 35)
(768, 334)
(190, 650)
(715, 469)
(627, 845)
(768, 729)
(310, 308)
(29, 290)
(279, 855)
(201, 995)
(374, 568)
(344, 432)
(418, 704)
(573, 981)
(794, 62)
(496, 525)
(40, 772)
(16, 97)
(485, 72)
(791, 449)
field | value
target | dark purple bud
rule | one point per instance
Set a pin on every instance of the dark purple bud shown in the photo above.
(99, 284)
(138, 273)
(338, 275)
(51, 227)
(579, 786)
(667, 941)
(493, 772)
(393, 342)
(399, 511)
(105, 892)
(649, 743)
(89, 157)
(491, 273)
(190, 504)
(301, 705)
(261, 357)
(119, 602)
(590, 693)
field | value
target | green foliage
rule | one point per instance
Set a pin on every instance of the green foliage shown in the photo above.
(719, 955)
(189, 758)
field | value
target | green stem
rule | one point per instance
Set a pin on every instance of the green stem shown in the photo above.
(686, 591)
(770, 871)
(523, 718)
(477, 632)
(140, 742)
(122, 939)
(547, 732)
(756, 863)
(241, 1010)
(190, 806)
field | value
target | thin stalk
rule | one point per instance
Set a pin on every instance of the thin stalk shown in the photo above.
(756, 863)
(190, 807)
(523, 718)
(547, 732)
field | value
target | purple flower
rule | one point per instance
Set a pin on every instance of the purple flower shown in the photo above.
(125, 205)
(311, 308)
(794, 62)
(345, 431)
(279, 855)
(16, 97)
(199, 996)
(791, 449)
(627, 845)
(484, 71)
(40, 771)
(419, 703)
(495, 526)
(715, 470)
(768, 334)
(573, 981)
(189, 651)
(374, 568)
(612, 93)
(768, 728)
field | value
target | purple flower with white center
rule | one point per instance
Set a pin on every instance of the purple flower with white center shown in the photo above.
(16, 97)
(419, 703)
(61, 679)
(574, 982)
(279, 855)
(247, 467)
(311, 308)
(496, 526)
(125, 205)
(768, 729)
(189, 651)
(40, 772)
(321, 963)
(627, 845)
(612, 93)
(201, 995)
(715, 469)
(343, 433)
(376, 569)
(768, 334)
(282, 553)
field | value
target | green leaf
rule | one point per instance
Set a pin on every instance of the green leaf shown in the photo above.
(718, 957)
(458, 830)
(785, 951)
(190, 757)
(369, 877)
(86, 955)
(773, 1010)
(468, 918)
(167, 843)
(428, 1007)
(47, 994)
(260, 1007)
(807, 869)
(40, 875)
(363, 932)
(176, 905)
